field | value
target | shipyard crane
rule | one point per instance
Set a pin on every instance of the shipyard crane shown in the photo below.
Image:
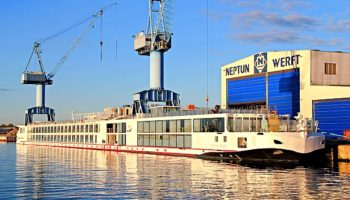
(41, 78)
(154, 43)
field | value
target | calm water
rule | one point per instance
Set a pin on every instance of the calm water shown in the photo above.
(42, 172)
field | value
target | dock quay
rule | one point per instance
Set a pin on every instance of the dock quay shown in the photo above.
(338, 149)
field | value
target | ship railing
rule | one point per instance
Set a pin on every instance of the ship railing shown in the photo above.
(203, 111)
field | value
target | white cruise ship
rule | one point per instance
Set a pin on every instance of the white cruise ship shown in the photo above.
(170, 130)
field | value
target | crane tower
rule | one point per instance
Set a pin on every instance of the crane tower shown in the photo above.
(154, 43)
(41, 78)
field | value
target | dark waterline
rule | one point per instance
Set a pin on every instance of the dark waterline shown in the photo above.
(45, 172)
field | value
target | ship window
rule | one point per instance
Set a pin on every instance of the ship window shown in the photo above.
(140, 127)
(78, 129)
(246, 124)
(140, 140)
(122, 128)
(91, 128)
(187, 125)
(166, 126)
(86, 128)
(172, 126)
(91, 139)
(146, 127)
(69, 129)
(73, 138)
(225, 138)
(86, 139)
(196, 125)
(180, 140)
(97, 128)
(122, 139)
(209, 125)
(152, 127)
(81, 139)
(242, 142)
(180, 126)
(95, 138)
(159, 126)
(165, 140)
(216, 138)
(81, 128)
(73, 129)
(152, 140)
(188, 141)
(159, 140)
(172, 141)
(65, 138)
(239, 124)
(146, 140)
(110, 128)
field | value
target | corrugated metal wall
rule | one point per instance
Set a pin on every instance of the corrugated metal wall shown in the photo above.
(248, 90)
(284, 91)
(333, 116)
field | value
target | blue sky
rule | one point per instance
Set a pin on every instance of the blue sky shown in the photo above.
(85, 84)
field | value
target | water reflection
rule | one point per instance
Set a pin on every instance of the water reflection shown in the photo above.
(44, 172)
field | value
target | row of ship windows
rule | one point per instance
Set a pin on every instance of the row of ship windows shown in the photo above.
(64, 138)
(181, 141)
(91, 128)
(182, 125)
(116, 128)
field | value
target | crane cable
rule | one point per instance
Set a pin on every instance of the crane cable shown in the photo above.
(53, 36)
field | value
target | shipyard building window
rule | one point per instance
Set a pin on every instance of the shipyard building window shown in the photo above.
(209, 125)
(330, 68)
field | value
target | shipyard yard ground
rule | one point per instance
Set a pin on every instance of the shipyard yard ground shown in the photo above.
(46, 172)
